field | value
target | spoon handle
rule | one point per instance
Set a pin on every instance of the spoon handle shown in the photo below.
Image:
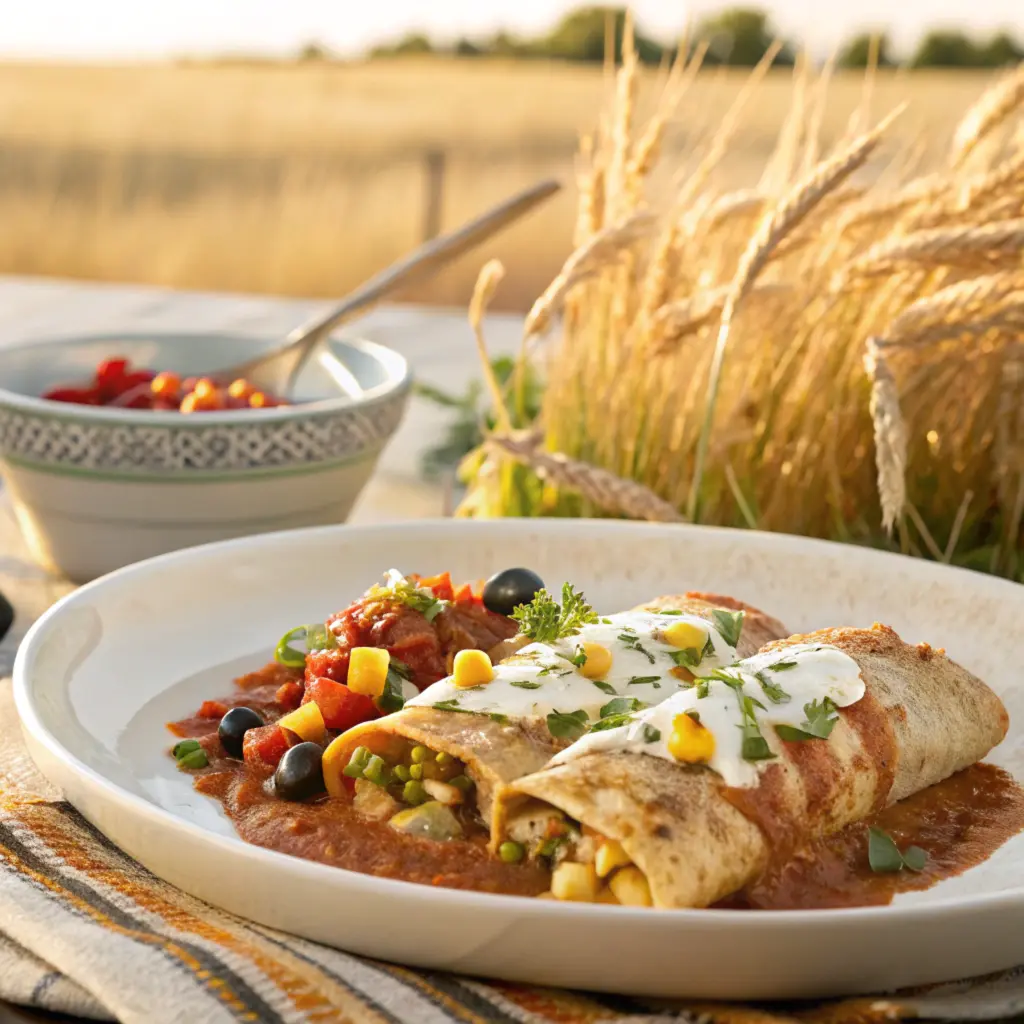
(283, 365)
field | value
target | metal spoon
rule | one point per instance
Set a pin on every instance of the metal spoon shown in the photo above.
(275, 371)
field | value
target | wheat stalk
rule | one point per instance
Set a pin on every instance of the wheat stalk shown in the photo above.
(961, 245)
(994, 107)
(486, 285)
(608, 492)
(827, 176)
(602, 248)
(890, 435)
(675, 320)
(972, 306)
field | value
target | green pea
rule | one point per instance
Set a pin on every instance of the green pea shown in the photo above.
(414, 793)
(511, 853)
(444, 758)
(194, 759)
(463, 783)
(416, 771)
(401, 772)
(376, 771)
(420, 754)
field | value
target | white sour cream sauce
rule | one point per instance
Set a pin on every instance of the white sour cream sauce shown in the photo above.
(819, 671)
(553, 683)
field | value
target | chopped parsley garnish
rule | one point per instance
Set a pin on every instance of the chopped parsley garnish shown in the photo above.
(775, 693)
(579, 658)
(821, 720)
(556, 670)
(393, 696)
(401, 590)
(644, 680)
(755, 746)
(695, 715)
(729, 624)
(651, 735)
(568, 725)
(545, 621)
(603, 686)
(885, 856)
(606, 622)
(669, 611)
(617, 712)
(782, 666)
(452, 704)
(622, 706)
(690, 657)
(524, 684)
(632, 642)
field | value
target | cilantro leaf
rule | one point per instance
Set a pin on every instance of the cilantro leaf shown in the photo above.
(775, 693)
(884, 855)
(603, 686)
(651, 735)
(729, 624)
(644, 680)
(755, 746)
(392, 697)
(579, 659)
(632, 642)
(401, 590)
(545, 621)
(612, 722)
(568, 725)
(524, 684)
(622, 706)
(782, 666)
(821, 720)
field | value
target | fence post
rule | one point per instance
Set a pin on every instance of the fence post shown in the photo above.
(433, 192)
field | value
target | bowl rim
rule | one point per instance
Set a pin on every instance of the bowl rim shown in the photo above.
(399, 382)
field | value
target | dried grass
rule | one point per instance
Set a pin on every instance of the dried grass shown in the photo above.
(836, 352)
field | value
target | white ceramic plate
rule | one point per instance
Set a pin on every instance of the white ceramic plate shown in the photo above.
(100, 674)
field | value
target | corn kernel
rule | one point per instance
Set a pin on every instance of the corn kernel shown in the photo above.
(258, 400)
(610, 855)
(686, 634)
(240, 388)
(630, 888)
(188, 403)
(598, 663)
(690, 741)
(306, 721)
(368, 670)
(205, 388)
(472, 668)
(577, 882)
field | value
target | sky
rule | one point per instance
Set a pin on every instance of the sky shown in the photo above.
(130, 29)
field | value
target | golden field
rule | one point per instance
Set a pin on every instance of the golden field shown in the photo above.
(305, 178)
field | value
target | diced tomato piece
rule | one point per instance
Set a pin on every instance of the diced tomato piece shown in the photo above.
(76, 396)
(289, 695)
(441, 585)
(328, 664)
(464, 595)
(338, 704)
(111, 370)
(213, 709)
(265, 746)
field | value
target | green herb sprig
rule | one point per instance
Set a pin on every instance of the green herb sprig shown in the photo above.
(821, 720)
(568, 725)
(729, 624)
(545, 621)
(884, 855)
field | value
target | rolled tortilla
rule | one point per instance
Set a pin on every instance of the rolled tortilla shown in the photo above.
(697, 840)
(497, 753)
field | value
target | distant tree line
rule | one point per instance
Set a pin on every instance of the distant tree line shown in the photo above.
(739, 36)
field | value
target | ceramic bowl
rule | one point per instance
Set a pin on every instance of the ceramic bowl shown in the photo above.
(98, 488)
